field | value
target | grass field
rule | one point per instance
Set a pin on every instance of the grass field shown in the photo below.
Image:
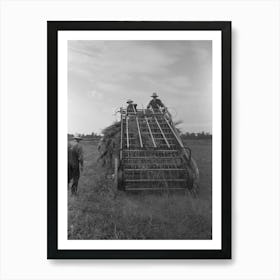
(101, 212)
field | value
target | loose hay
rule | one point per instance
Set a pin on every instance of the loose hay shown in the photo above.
(109, 145)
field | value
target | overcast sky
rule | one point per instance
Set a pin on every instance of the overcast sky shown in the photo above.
(102, 75)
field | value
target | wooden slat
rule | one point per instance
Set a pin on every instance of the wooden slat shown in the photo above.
(127, 139)
(121, 144)
(159, 157)
(154, 188)
(167, 143)
(160, 150)
(150, 132)
(155, 169)
(174, 133)
(139, 133)
(153, 180)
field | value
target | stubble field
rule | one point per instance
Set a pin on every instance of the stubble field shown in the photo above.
(101, 212)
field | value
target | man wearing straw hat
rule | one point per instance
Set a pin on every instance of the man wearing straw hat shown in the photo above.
(75, 162)
(131, 108)
(155, 103)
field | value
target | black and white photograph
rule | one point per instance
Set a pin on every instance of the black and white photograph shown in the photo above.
(139, 140)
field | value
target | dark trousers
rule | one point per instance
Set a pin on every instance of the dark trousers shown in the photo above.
(73, 173)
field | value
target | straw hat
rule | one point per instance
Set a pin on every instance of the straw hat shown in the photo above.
(77, 136)
(154, 94)
(129, 101)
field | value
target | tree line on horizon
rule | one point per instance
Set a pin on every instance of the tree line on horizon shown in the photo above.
(196, 135)
(185, 135)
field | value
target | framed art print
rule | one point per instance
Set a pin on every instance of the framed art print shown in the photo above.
(139, 140)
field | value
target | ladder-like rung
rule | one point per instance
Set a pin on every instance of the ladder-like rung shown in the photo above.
(154, 180)
(156, 133)
(155, 150)
(155, 169)
(153, 188)
(155, 166)
(159, 157)
(173, 138)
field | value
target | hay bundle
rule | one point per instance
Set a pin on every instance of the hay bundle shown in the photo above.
(109, 145)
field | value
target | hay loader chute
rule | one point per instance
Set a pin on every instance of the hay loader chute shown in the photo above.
(152, 154)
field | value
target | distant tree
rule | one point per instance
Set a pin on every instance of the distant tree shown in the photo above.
(198, 135)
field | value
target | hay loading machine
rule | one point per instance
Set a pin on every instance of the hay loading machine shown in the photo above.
(152, 154)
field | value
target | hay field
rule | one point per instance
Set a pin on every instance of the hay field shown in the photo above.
(101, 212)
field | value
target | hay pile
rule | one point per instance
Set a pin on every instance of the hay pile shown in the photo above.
(109, 145)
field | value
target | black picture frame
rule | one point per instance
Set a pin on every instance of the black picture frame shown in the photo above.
(52, 88)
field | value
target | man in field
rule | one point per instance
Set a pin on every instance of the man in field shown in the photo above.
(155, 103)
(75, 162)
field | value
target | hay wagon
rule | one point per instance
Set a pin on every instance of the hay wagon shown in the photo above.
(152, 154)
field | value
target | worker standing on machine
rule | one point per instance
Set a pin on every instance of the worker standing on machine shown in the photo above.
(131, 107)
(155, 103)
